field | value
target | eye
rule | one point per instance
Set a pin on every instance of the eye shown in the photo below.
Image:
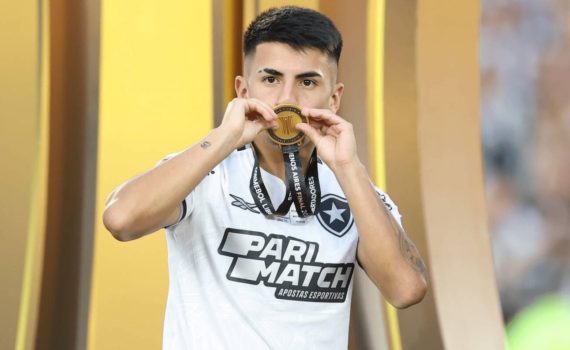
(308, 82)
(270, 80)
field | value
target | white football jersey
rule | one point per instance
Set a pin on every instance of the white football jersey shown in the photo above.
(239, 280)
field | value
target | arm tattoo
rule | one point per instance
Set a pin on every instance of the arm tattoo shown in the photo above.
(205, 145)
(410, 252)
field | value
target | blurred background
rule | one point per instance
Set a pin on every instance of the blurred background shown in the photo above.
(461, 112)
(525, 118)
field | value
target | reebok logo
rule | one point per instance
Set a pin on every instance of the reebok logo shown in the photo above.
(242, 204)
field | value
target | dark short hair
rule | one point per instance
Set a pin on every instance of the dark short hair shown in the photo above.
(299, 27)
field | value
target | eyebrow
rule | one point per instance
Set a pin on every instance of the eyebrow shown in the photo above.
(310, 74)
(271, 71)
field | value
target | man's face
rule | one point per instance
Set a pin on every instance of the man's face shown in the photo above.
(277, 74)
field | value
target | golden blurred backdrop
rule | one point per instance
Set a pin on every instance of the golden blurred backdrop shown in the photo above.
(95, 92)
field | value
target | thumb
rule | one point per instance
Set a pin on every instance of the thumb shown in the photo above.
(260, 125)
(310, 131)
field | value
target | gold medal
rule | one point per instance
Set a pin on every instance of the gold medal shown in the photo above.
(288, 116)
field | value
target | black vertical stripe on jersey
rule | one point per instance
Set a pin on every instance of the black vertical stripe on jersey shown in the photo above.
(181, 216)
(183, 210)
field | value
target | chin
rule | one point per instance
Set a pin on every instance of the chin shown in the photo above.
(273, 145)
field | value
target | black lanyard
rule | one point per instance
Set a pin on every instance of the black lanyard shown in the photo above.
(304, 192)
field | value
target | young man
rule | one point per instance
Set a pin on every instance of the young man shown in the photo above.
(241, 279)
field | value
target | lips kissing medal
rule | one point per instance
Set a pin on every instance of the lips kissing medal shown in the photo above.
(304, 191)
(288, 117)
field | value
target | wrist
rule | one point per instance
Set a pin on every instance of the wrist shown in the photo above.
(353, 171)
(227, 140)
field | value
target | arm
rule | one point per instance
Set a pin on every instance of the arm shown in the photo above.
(150, 201)
(385, 252)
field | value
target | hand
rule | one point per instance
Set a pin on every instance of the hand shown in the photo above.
(333, 136)
(245, 118)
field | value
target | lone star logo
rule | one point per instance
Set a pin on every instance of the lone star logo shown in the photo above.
(334, 215)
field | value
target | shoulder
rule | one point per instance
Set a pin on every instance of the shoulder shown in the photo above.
(385, 198)
(389, 203)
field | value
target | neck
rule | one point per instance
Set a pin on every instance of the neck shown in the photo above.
(271, 159)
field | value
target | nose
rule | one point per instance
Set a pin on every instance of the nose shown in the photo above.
(288, 94)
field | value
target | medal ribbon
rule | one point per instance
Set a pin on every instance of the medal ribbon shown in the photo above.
(304, 192)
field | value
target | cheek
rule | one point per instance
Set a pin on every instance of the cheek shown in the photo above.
(313, 100)
(262, 93)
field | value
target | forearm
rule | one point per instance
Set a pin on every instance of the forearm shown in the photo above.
(140, 205)
(387, 254)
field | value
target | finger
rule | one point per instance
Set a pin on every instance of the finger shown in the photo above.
(329, 130)
(312, 133)
(266, 106)
(260, 125)
(316, 124)
(253, 116)
(322, 115)
(335, 130)
(252, 107)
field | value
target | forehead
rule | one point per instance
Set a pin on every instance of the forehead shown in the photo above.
(285, 59)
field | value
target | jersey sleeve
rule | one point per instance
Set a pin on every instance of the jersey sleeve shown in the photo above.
(390, 205)
(392, 208)
(187, 203)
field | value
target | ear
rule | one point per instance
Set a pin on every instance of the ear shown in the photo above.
(334, 104)
(241, 87)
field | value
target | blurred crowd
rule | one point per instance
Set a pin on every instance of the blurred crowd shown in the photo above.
(525, 119)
